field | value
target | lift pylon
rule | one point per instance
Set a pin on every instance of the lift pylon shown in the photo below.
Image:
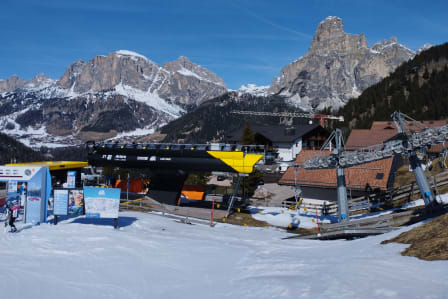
(412, 143)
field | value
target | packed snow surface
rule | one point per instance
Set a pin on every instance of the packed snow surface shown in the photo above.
(284, 217)
(155, 257)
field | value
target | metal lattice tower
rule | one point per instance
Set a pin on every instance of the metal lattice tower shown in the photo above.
(413, 144)
(321, 117)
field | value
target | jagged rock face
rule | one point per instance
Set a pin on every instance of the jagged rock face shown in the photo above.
(105, 72)
(11, 84)
(338, 66)
(191, 84)
(39, 82)
(180, 81)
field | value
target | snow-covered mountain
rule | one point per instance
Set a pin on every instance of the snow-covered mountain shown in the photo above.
(253, 89)
(424, 48)
(338, 66)
(121, 92)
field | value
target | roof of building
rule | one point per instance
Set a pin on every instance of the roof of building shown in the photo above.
(374, 174)
(382, 131)
(280, 134)
(54, 165)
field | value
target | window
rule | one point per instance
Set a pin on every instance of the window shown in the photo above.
(379, 176)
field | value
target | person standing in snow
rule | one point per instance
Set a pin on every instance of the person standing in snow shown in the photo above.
(12, 211)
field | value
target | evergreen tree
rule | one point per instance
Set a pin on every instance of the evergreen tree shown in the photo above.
(248, 136)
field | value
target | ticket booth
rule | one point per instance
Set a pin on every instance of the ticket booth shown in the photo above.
(38, 182)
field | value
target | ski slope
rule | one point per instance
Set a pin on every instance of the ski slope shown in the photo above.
(151, 256)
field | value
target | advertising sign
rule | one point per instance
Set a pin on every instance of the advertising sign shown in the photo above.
(102, 202)
(34, 199)
(18, 173)
(76, 202)
(12, 190)
(71, 179)
(60, 202)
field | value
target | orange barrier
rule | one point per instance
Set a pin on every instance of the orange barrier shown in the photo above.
(193, 192)
(135, 186)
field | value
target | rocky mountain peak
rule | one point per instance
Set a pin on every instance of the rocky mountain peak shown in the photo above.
(330, 37)
(11, 84)
(424, 48)
(185, 61)
(183, 66)
(329, 28)
(39, 81)
(338, 66)
(131, 54)
(71, 74)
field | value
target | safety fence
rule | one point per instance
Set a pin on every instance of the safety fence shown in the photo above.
(379, 200)
(401, 194)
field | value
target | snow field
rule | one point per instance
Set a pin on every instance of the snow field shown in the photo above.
(151, 256)
(283, 217)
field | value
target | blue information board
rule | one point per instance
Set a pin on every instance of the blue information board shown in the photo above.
(102, 202)
(12, 190)
(34, 200)
(71, 179)
(60, 202)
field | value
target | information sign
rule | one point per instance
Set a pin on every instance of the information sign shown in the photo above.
(102, 202)
(60, 202)
(71, 179)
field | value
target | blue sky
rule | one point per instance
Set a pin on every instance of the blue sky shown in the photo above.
(243, 41)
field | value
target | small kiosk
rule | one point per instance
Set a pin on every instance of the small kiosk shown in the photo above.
(38, 182)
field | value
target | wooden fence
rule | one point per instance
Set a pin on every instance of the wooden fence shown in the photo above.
(378, 200)
(402, 193)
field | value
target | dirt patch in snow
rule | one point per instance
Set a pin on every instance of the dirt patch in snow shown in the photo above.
(428, 241)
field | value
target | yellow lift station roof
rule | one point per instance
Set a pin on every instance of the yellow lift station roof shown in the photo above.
(54, 165)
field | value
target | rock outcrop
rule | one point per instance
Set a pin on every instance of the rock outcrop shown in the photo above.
(338, 66)
(190, 83)
(180, 81)
(11, 84)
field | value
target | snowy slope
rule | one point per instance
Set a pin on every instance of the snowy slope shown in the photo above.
(253, 89)
(155, 257)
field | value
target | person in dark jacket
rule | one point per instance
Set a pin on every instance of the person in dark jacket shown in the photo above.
(12, 213)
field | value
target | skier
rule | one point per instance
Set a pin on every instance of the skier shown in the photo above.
(12, 212)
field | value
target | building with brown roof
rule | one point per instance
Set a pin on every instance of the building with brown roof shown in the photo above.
(360, 180)
(382, 131)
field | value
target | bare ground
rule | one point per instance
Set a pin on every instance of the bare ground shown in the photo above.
(428, 241)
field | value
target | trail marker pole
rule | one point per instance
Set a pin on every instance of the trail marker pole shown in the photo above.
(213, 211)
